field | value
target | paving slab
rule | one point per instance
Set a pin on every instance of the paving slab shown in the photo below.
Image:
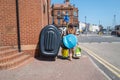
(61, 69)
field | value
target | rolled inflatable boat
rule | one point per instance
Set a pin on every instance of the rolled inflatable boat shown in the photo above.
(50, 41)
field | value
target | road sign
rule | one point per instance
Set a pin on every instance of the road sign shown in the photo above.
(66, 18)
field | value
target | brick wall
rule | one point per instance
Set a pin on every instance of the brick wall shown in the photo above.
(8, 23)
(33, 16)
(30, 21)
(0, 37)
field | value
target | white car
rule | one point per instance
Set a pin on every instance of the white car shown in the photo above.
(77, 32)
(63, 30)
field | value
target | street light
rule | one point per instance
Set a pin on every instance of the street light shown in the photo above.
(99, 22)
(85, 19)
(85, 25)
(114, 24)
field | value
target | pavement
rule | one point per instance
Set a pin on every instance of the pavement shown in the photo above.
(60, 69)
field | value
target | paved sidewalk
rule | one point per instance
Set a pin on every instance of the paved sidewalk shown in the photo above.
(77, 69)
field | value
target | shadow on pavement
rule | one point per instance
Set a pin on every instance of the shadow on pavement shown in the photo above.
(42, 58)
(60, 57)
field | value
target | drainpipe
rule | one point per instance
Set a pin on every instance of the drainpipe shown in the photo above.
(48, 10)
(18, 26)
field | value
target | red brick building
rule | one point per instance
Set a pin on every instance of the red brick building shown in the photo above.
(60, 10)
(21, 22)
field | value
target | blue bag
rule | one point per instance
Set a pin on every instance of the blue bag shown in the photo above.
(70, 41)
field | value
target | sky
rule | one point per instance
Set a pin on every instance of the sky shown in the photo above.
(97, 11)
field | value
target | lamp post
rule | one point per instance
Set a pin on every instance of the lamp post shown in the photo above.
(85, 25)
(99, 22)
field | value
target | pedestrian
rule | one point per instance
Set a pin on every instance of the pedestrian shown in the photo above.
(71, 30)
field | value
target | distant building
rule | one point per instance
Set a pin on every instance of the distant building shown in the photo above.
(90, 27)
(82, 26)
(60, 10)
(94, 28)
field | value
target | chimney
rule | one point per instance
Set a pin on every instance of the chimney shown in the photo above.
(67, 2)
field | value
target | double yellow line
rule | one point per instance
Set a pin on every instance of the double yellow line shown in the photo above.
(109, 66)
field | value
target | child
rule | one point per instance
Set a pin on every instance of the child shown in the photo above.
(71, 30)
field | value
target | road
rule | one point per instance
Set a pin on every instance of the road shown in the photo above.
(89, 38)
(106, 49)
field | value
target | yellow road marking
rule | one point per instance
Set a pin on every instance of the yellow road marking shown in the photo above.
(102, 61)
(117, 74)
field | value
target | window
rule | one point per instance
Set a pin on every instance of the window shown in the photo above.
(44, 8)
(66, 12)
(63, 13)
(52, 20)
(58, 21)
(75, 13)
(58, 13)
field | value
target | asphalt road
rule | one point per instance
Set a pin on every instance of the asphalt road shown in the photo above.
(107, 50)
(92, 38)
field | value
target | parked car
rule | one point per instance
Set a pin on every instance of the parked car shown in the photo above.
(62, 30)
(116, 31)
(77, 31)
(113, 32)
(104, 31)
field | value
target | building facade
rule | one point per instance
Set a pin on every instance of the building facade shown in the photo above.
(60, 10)
(90, 27)
(21, 22)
